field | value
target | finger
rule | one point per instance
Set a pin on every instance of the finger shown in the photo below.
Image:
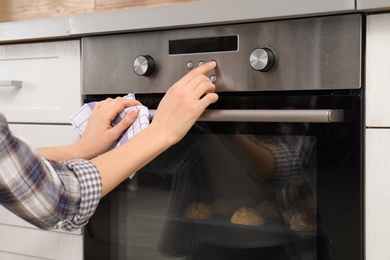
(197, 81)
(120, 102)
(204, 87)
(200, 70)
(130, 102)
(110, 101)
(102, 103)
(118, 105)
(208, 99)
(126, 122)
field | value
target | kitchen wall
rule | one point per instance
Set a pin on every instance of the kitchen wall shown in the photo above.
(16, 10)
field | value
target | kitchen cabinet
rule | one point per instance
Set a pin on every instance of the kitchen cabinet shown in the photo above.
(40, 244)
(12, 256)
(378, 71)
(377, 199)
(377, 137)
(39, 111)
(369, 4)
(50, 76)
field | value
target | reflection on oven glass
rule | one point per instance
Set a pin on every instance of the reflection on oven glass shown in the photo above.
(240, 195)
(222, 196)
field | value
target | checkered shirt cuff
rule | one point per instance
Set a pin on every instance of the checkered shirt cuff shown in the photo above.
(91, 190)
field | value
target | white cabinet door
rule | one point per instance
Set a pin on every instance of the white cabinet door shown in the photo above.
(46, 135)
(367, 4)
(50, 76)
(377, 194)
(19, 239)
(40, 243)
(378, 71)
(13, 256)
(8, 218)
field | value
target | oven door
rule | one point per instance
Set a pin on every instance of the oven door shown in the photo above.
(259, 176)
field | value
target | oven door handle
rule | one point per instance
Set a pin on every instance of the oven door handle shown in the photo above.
(271, 115)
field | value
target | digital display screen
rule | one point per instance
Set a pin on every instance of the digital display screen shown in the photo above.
(204, 45)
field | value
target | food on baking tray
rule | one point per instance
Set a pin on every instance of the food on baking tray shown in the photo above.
(247, 216)
(268, 209)
(304, 221)
(198, 210)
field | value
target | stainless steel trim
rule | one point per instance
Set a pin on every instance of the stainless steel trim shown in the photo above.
(11, 83)
(271, 115)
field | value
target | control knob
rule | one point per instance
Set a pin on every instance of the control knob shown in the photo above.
(144, 65)
(262, 59)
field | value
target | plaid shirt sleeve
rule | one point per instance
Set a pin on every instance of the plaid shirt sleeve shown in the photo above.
(45, 193)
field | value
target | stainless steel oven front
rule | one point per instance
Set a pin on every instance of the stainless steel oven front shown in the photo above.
(273, 170)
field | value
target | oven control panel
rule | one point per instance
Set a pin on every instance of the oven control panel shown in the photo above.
(296, 54)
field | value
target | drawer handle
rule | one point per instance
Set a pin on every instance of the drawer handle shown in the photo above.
(11, 83)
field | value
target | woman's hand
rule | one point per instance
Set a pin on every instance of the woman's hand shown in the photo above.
(100, 135)
(179, 109)
(184, 102)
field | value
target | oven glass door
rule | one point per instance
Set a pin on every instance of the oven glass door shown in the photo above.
(244, 189)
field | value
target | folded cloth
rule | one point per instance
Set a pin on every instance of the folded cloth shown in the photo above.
(80, 119)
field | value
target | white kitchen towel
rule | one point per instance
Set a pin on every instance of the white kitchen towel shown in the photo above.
(80, 119)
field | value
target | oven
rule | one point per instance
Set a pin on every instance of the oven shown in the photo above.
(273, 170)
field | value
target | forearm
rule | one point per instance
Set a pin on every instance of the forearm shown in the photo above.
(99, 135)
(118, 164)
(179, 109)
(61, 153)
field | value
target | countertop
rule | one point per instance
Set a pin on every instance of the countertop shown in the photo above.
(196, 13)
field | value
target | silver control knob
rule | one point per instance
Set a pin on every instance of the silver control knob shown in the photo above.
(262, 59)
(144, 65)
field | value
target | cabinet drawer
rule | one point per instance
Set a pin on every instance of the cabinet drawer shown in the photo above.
(46, 135)
(377, 194)
(12, 256)
(366, 4)
(50, 76)
(8, 218)
(377, 71)
(39, 243)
